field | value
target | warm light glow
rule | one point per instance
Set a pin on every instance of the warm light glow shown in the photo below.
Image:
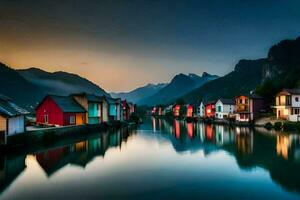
(177, 128)
(282, 146)
(190, 129)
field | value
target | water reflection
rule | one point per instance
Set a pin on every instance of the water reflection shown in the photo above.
(52, 160)
(10, 168)
(190, 159)
(278, 153)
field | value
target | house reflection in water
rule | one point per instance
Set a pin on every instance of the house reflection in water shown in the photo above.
(190, 130)
(224, 135)
(201, 131)
(80, 153)
(10, 168)
(177, 128)
(209, 135)
(288, 146)
(244, 140)
(154, 124)
(250, 149)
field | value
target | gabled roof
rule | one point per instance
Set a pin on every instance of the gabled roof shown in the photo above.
(290, 91)
(113, 100)
(227, 101)
(212, 102)
(250, 96)
(67, 104)
(89, 97)
(10, 109)
(255, 96)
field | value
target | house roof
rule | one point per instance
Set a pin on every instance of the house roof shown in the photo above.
(113, 100)
(89, 97)
(67, 104)
(290, 91)
(250, 96)
(210, 103)
(10, 109)
(255, 96)
(227, 101)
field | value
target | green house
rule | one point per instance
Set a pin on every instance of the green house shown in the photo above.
(93, 106)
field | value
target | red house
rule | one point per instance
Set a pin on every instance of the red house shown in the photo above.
(189, 111)
(176, 110)
(210, 109)
(126, 110)
(60, 111)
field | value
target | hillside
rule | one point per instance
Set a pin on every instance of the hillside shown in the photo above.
(282, 69)
(247, 75)
(27, 87)
(60, 82)
(18, 88)
(139, 93)
(181, 84)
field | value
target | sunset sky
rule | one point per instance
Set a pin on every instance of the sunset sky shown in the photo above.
(121, 44)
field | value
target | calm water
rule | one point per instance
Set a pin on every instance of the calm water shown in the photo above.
(160, 159)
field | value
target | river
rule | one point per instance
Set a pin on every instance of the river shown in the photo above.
(159, 160)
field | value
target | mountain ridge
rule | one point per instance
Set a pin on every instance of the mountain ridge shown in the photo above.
(139, 93)
(179, 85)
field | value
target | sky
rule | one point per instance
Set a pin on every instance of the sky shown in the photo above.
(124, 44)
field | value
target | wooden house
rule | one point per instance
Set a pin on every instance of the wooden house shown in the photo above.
(210, 110)
(176, 110)
(60, 111)
(158, 110)
(125, 108)
(92, 105)
(248, 107)
(104, 109)
(189, 110)
(114, 109)
(201, 110)
(288, 104)
(224, 108)
(12, 119)
(132, 108)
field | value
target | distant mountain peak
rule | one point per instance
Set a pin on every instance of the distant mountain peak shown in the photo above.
(205, 74)
(192, 75)
(179, 85)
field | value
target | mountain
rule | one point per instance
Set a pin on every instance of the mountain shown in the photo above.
(139, 93)
(27, 87)
(179, 85)
(18, 88)
(62, 83)
(247, 75)
(282, 69)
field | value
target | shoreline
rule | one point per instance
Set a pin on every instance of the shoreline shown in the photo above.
(49, 136)
(285, 126)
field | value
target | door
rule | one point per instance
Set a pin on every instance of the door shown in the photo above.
(16, 125)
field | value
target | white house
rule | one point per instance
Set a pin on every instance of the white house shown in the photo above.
(288, 104)
(201, 110)
(224, 107)
(12, 119)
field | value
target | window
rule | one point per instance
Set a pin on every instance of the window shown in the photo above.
(72, 119)
(296, 111)
(46, 119)
(297, 99)
(219, 108)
